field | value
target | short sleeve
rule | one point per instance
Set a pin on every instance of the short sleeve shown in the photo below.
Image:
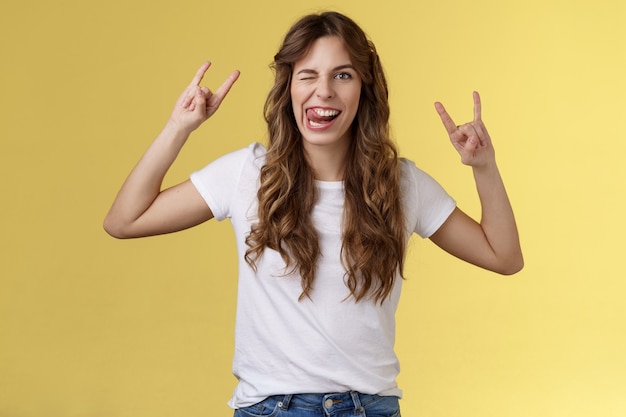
(218, 181)
(426, 204)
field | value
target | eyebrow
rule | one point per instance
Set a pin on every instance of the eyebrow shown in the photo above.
(312, 71)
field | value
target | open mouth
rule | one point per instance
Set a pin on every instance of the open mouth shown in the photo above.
(318, 117)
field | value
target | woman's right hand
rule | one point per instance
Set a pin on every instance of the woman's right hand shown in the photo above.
(141, 208)
(196, 104)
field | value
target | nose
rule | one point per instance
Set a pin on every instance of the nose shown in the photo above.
(324, 88)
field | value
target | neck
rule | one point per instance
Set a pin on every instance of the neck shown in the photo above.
(328, 162)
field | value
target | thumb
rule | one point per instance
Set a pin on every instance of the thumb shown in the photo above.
(471, 144)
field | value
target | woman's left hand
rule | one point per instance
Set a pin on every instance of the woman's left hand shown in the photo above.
(471, 140)
(494, 242)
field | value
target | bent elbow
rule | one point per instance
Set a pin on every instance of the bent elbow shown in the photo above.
(113, 228)
(512, 267)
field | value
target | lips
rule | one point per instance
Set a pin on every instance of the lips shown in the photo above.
(320, 117)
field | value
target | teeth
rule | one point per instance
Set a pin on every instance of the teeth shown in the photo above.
(326, 113)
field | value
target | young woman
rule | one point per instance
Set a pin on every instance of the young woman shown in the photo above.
(322, 217)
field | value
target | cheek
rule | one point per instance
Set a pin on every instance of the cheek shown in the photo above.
(353, 99)
(295, 100)
(294, 107)
(296, 112)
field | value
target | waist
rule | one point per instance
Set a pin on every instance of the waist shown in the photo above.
(330, 402)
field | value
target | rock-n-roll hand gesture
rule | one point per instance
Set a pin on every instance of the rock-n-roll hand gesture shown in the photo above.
(196, 104)
(494, 242)
(142, 207)
(471, 140)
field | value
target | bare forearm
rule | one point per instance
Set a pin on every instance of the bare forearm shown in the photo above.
(144, 182)
(141, 208)
(498, 221)
(493, 243)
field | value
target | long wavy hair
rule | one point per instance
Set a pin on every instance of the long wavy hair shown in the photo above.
(373, 230)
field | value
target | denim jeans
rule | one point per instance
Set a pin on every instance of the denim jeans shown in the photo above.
(323, 405)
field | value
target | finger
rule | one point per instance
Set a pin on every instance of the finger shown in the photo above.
(200, 98)
(469, 130)
(477, 107)
(481, 132)
(192, 102)
(469, 149)
(187, 97)
(483, 136)
(221, 92)
(447, 121)
(200, 73)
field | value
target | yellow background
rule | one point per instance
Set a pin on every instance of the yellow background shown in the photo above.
(91, 326)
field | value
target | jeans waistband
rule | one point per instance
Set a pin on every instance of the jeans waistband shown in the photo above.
(330, 402)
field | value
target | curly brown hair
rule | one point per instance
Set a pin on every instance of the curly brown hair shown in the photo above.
(374, 236)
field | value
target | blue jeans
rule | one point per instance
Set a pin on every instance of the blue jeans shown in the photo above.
(323, 405)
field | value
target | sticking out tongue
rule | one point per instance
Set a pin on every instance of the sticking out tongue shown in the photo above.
(314, 117)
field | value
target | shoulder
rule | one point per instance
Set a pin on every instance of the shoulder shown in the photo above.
(223, 180)
(417, 183)
(426, 202)
(257, 150)
(226, 170)
(411, 175)
(251, 155)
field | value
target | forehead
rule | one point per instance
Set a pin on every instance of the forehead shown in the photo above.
(328, 51)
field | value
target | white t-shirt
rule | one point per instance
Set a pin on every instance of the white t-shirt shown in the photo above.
(328, 342)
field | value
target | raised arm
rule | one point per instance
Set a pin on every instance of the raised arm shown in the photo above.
(494, 242)
(141, 208)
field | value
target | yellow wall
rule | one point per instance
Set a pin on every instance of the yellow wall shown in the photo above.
(91, 326)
